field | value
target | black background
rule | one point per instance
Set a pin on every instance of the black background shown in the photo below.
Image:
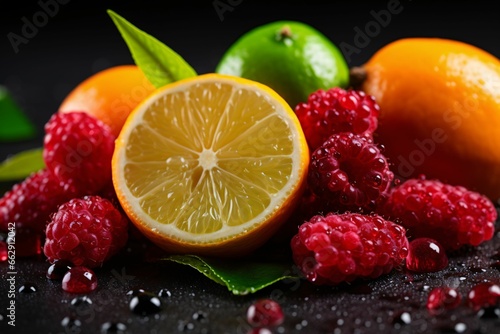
(81, 40)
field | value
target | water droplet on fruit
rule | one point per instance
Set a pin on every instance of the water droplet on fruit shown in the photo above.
(484, 295)
(58, 269)
(443, 298)
(71, 324)
(28, 288)
(426, 255)
(81, 301)
(265, 312)
(79, 280)
(145, 303)
(113, 327)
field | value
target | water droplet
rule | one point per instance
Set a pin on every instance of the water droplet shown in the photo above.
(28, 288)
(460, 327)
(145, 303)
(426, 255)
(58, 269)
(113, 327)
(489, 312)
(71, 324)
(79, 280)
(200, 316)
(81, 301)
(265, 312)
(483, 295)
(135, 291)
(164, 293)
(403, 318)
(443, 298)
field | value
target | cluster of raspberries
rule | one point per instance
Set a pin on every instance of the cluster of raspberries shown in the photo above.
(350, 180)
(77, 153)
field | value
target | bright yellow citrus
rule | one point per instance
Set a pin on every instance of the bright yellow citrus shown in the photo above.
(109, 95)
(211, 165)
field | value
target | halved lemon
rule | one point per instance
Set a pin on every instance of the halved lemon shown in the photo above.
(211, 165)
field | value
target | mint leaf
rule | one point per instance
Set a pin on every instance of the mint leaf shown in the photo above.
(241, 277)
(21, 165)
(160, 64)
(14, 123)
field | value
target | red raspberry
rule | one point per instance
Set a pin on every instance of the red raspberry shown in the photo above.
(78, 150)
(30, 202)
(349, 172)
(86, 231)
(340, 248)
(336, 110)
(451, 215)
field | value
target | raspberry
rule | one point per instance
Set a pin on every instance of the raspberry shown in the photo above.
(342, 247)
(30, 202)
(86, 231)
(349, 172)
(336, 110)
(78, 150)
(452, 215)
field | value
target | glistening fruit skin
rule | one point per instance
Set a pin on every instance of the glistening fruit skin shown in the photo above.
(451, 215)
(349, 173)
(85, 231)
(337, 110)
(439, 111)
(31, 201)
(335, 248)
(291, 57)
(109, 95)
(78, 150)
(217, 171)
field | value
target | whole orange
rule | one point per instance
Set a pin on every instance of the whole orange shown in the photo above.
(439, 111)
(109, 95)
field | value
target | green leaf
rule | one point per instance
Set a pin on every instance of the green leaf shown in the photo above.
(14, 125)
(21, 165)
(241, 277)
(160, 64)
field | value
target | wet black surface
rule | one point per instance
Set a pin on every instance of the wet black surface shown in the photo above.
(191, 303)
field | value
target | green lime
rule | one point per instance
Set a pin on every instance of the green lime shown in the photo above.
(291, 57)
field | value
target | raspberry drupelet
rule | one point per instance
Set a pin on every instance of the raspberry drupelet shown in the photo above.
(339, 248)
(452, 215)
(31, 201)
(85, 231)
(78, 149)
(337, 110)
(349, 172)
